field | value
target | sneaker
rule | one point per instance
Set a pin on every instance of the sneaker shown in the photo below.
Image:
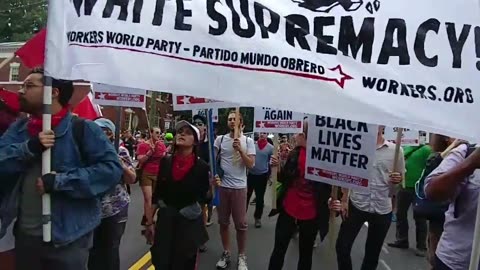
(420, 252)
(208, 224)
(253, 202)
(224, 261)
(399, 244)
(258, 223)
(242, 262)
(394, 218)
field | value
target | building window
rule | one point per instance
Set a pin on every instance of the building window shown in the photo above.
(14, 72)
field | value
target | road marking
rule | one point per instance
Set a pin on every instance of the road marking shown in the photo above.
(142, 262)
(384, 249)
(382, 262)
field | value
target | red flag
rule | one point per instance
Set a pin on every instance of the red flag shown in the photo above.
(32, 53)
(87, 109)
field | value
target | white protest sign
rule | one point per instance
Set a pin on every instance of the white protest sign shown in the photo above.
(409, 137)
(183, 103)
(340, 152)
(277, 121)
(215, 115)
(409, 63)
(109, 95)
(204, 114)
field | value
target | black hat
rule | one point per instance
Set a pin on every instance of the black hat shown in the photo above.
(200, 117)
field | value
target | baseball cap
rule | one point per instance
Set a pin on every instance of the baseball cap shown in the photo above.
(184, 123)
(200, 117)
(105, 123)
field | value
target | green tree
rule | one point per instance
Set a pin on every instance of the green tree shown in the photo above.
(20, 19)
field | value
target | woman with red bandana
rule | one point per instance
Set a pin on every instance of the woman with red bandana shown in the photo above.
(303, 207)
(258, 176)
(182, 184)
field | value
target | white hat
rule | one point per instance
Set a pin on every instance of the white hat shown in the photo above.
(184, 123)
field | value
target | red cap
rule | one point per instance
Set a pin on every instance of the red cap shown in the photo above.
(10, 99)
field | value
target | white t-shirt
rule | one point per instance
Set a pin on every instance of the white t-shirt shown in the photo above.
(8, 241)
(235, 173)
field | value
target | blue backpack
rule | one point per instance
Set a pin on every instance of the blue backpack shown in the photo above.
(424, 208)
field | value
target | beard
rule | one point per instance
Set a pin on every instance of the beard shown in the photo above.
(27, 107)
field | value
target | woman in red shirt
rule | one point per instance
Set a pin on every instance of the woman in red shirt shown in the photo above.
(183, 183)
(149, 154)
(303, 207)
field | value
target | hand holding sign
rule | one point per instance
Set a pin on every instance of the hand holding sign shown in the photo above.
(395, 178)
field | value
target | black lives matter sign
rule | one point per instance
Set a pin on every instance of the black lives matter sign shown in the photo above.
(340, 152)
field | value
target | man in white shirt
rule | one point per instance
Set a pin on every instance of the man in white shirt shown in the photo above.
(373, 206)
(236, 155)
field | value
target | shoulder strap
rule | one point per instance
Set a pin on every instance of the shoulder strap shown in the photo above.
(78, 127)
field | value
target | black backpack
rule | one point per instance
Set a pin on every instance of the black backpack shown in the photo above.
(424, 208)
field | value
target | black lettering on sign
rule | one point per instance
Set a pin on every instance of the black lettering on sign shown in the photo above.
(419, 45)
(236, 25)
(217, 17)
(292, 32)
(323, 41)
(180, 17)
(260, 18)
(457, 43)
(110, 5)
(349, 39)
(395, 27)
(87, 6)
(335, 123)
(278, 115)
(340, 157)
(158, 14)
(477, 45)
(340, 139)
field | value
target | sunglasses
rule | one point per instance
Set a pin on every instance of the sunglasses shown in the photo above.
(199, 123)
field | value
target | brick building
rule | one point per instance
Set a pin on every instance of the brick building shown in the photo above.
(13, 74)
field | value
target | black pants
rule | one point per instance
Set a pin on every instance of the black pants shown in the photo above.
(406, 198)
(439, 265)
(105, 253)
(378, 226)
(257, 183)
(33, 254)
(286, 227)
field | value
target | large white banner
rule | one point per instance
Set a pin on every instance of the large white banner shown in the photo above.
(109, 95)
(184, 103)
(340, 152)
(406, 63)
(277, 121)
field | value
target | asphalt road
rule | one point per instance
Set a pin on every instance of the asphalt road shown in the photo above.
(260, 245)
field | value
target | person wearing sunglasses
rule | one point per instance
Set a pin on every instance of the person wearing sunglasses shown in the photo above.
(149, 154)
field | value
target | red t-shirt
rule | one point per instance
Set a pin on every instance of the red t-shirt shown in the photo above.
(152, 165)
(300, 201)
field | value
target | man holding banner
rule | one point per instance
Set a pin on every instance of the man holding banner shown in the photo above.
(373, 206)
(236, 155)
(84, 167)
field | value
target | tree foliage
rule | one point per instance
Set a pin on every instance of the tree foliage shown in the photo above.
(20, 19)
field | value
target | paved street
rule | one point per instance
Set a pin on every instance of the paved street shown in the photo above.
(260, 245)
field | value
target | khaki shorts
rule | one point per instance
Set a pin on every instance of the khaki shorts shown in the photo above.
(148, 180)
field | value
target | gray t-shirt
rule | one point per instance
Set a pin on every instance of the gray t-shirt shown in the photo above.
(232, 164)
(30, 221)
(262, 160)
(455, 246)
